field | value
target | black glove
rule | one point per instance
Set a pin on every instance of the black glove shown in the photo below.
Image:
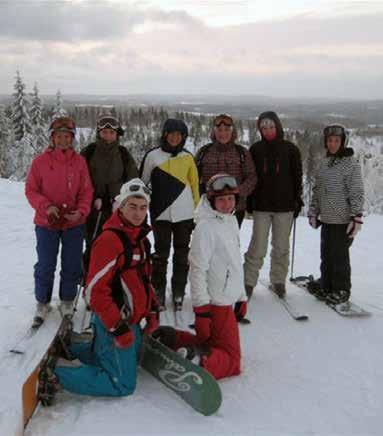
(166, 335)
(240, 310)
(298, 207)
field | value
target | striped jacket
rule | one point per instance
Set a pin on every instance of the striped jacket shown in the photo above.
(174, 183)
(338, 192)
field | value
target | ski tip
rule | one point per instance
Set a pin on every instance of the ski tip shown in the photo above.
(302, 318)
(16, 351)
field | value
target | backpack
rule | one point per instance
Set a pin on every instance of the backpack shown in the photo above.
(118, 292)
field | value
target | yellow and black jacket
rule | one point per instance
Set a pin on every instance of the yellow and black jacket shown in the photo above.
(174, 182)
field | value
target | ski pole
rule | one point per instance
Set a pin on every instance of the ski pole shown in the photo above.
(293, 251)
(97, 225)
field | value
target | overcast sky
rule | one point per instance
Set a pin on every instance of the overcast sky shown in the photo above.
(282, 48)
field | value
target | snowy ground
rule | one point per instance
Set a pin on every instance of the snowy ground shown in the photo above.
(320, 377)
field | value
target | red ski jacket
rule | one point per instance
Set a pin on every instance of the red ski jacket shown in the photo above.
(112, 290)
(60, 179)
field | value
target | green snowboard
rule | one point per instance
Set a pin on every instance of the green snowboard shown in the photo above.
(191, 382)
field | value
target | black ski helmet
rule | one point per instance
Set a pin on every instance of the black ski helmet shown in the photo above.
(109, 122)
(336, 130)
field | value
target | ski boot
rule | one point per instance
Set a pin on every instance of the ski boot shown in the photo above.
(48, 384)
(279, 289)
(162, 305)
(66, 309)
(337, 297)
(167, 335)
(195, 354)
(42, 311)
(178, 304)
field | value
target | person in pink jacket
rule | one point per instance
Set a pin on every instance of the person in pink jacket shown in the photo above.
(59, 189)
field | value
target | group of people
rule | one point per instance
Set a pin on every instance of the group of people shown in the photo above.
(199, 203)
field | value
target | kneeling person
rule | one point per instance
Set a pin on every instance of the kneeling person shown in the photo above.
(216, 283)
(120, 295)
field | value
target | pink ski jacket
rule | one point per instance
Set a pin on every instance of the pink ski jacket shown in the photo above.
(59, 178)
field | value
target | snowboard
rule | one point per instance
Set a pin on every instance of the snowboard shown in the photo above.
(191, 382)
(31, 395)
(347, 309)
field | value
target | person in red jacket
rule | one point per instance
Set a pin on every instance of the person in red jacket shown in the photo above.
(59, 189)
(120, 295)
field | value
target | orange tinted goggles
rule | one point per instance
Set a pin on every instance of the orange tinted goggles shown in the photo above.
(223, 119)
(63, 123)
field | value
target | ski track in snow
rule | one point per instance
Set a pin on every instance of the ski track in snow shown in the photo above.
(319, 377)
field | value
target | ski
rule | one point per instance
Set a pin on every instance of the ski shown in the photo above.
(191, 382)
(348, 309)
(290, 309)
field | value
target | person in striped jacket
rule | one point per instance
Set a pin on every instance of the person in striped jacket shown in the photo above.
(337, 204)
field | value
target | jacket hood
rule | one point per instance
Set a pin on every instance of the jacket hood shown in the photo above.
(273, 116)
(173, 125)
(205, 211)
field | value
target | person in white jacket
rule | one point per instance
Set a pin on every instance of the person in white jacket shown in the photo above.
(216, 283)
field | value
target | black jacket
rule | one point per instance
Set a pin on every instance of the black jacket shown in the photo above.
(279, 169)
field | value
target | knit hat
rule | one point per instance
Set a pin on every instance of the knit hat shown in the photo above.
(134, 188)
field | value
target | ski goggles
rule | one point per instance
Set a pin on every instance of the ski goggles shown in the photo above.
(224, 120)
(108, 123)
(266, 123)
(137, 188)
(334, 131)
(63, 123)
(223, 182)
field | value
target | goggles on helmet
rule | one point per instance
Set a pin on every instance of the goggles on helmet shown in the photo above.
(137, 188)
(108, 123)
(223, 119)
(334, 130)
(266, 123)
(63, 124)
(222, 182)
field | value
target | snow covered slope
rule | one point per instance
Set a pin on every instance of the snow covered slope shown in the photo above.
(320, 377)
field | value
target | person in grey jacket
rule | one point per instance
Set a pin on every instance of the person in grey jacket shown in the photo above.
(337, 205)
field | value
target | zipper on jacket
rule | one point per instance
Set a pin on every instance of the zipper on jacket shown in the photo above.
(226, 280)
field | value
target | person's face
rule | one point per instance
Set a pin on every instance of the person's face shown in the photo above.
(333, 144)
(108, 135)
(134, 210)
(62, 140)
(269, 132)
(174, 138)
(223, 133)
(225, 203)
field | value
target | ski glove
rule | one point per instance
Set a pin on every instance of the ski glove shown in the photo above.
(354, 227)
(314, 222)
(240, 310)
(123, 335)
(152, 322)
(202, 322)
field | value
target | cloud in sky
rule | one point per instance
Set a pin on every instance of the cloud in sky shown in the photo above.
(113, 47)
